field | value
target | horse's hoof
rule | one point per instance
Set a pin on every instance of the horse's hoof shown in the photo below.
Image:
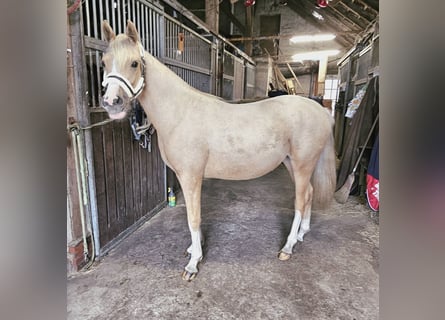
(188, 276)
(283, 256)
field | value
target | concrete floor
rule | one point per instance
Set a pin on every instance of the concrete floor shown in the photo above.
(333, 274)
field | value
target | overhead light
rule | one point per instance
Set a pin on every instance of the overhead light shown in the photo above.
(314, 55)
(312, 38)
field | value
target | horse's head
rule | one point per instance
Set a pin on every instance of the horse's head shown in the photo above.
(124, 70)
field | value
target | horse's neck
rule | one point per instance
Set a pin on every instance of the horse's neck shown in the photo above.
(164, 94)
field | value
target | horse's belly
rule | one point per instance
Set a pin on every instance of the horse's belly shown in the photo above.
(239, 165)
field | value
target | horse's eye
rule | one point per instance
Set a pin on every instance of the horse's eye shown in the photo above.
(134, 64)
(102, 64)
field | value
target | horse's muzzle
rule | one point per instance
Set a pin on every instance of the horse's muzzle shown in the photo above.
(115, 109)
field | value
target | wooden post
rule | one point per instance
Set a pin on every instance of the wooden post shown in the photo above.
(212, 15)
(71, 113)
(249, 30)
(78, 111)
(75, 255)
(322, 69)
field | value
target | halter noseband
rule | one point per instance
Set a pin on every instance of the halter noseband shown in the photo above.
(117, 78)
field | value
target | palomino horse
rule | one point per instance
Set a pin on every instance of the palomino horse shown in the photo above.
(202, 136)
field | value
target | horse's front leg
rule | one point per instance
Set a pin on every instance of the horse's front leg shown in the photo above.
(191, 188)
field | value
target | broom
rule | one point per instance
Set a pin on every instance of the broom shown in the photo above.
(341, 195)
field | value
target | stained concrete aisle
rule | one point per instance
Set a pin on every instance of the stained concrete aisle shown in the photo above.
(333, 274)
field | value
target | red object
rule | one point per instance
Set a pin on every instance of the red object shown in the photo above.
(249, 3)
(322, 3)
(372, 188)
(372, 177)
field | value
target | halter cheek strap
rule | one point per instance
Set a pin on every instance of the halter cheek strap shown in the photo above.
(117, 78)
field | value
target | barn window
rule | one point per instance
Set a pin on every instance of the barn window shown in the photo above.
(331, 88)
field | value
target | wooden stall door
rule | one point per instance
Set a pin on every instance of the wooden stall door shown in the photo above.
(130, 183)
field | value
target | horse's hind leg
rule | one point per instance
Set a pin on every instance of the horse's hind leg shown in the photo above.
(306, 219)
(288, 165)
(191, 188)
(303, 196)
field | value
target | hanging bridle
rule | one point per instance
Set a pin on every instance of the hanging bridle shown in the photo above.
(117, 78)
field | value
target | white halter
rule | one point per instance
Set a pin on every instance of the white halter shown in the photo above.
(117, 78)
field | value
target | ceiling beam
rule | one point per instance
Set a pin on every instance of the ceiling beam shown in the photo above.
(349, 19)
(358, 15)
(280, 36)
(366, 6)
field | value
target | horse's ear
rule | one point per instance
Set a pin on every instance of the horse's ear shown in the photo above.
(132, 32)
(107, 31)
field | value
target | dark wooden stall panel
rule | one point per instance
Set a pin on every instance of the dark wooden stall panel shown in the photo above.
(129, 179)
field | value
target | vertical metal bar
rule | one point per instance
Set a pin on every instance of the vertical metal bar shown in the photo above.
(138, 15)
(167, 38)
(191, 40)
(141, 29)
(121, 10)
(154, 30)
(188, 46)
(95, 34)
(98, 76)
(101, 18)
(133, 11)
(119, 13)
(92, 190)
(175, 40)
(170, 38)
(160, 41)
(124, 12)
(167, 32)
(196, 53)
(172, 32)
(151, 32)
(160, 22)
(140, 26)
(157, 29)
(113, 15)
(107, 11)
(199, 57)
(144, 24)
(90, 86)
(191, 50)
(172, 35)
(80, 191)
(87, 18)
(154, 34)
(147, 29)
